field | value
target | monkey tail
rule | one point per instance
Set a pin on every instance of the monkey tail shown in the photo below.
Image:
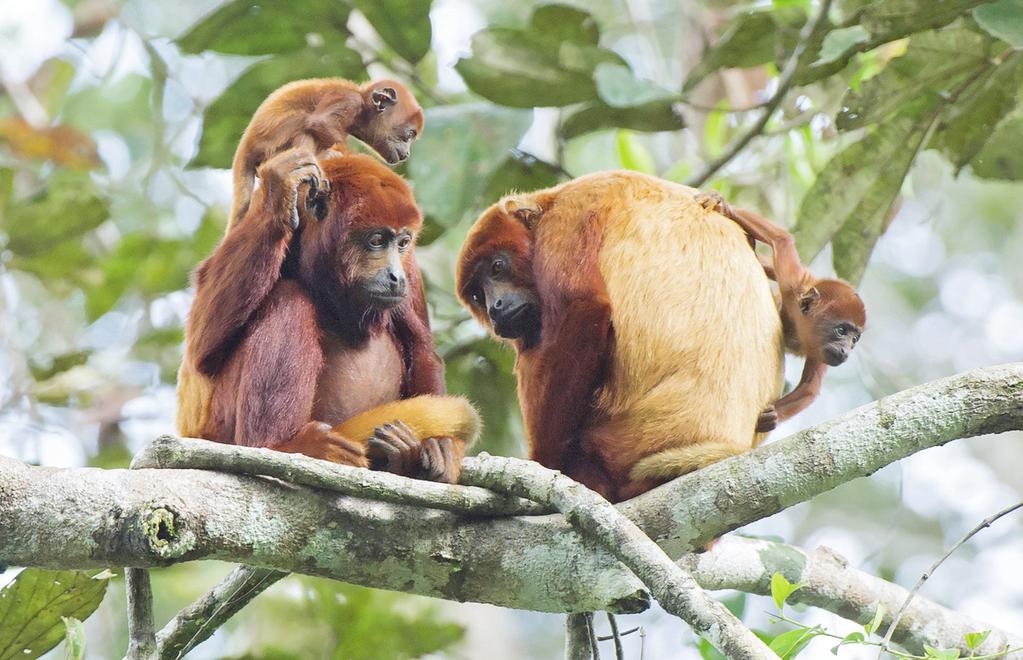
(428, 416)
(677, 461)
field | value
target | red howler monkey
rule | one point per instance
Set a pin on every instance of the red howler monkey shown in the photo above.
(313, 335)
(318, 114)
(822, 318)
(646, 334)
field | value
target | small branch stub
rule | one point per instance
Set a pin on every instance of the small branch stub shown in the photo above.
(165, 533)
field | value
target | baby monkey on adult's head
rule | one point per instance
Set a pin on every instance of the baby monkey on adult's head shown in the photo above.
(319, 114)
(822, 318)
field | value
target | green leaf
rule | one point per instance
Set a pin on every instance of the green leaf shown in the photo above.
(633, 153)
(619, 88)
(837, 42)
(781, 589)
(258, 27)
(969, 123)
(457, 155)
(875, 623)
(849, 201)
(32, 607)
(708, 652)
(1001, 157)
(934, 63)
(69, 207)
(227, 117)
(886, 21)
(975, 639)
(851, 638)
(520, 173)
(940, 654)
(524, 69)
(1002, 19)
(404, 25)
(74, 639)
(43, 369)
(750, 39)
(565, 23)
(596, 115)
(789, 644)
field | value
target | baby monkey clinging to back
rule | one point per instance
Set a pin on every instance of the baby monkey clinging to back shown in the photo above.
(318, 114)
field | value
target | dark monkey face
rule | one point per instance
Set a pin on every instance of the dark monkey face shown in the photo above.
(839, 339)
(513, 309)
(381, 279)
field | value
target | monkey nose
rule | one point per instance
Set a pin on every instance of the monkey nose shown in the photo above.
(397, 282)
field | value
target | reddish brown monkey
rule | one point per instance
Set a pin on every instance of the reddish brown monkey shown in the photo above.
(310, 327)
(321, 113)
(822, 318)
(646, 335)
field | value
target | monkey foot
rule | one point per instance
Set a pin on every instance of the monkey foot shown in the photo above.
(317, 440)
(394, 448)
(713, 201)
(768, 420)
(442, 460)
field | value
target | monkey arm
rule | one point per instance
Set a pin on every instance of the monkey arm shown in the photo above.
(558, 377)
(426, 371)
(234, 281)
(804, 393)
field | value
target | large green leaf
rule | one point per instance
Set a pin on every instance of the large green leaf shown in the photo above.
(595, 115)
(520, 173)
(969, 123)
(548, 63)
(1003, 19)
(934, 63)
(258, 27)
(459, 150)
(1001, 157)
(227, 117)
(32, 605)
(67, 208)
(619, 88)
(750, 39)
(849, 202)
(403, 24)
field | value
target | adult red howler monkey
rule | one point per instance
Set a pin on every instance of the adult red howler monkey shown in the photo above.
(646, 335)
(309, 327)
(821, 318)
(321, 113)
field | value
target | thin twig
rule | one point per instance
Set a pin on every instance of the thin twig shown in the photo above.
(616, 636)
(987, 522)
(785, 82)
(141, 632)
(592, 634)
(604, 638)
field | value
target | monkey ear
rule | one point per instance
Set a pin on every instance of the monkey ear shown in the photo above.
(527, 213)
(809, 299)
(384, 98)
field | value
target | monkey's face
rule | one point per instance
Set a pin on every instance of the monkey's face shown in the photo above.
(837, 316)
(838, 340)
(513, 309)
(394, 121)
(380, 280)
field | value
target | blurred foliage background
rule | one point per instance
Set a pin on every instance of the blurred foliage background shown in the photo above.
(896, 159)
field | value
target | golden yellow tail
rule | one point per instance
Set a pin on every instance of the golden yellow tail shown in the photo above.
(427, 415)
(677, 461)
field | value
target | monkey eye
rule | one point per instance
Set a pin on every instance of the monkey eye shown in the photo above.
(411, 134)
(377, 241)
(404, 242)
(498, 267)
(476, 297)
(840, 330)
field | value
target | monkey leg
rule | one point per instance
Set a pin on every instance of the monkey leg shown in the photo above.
(435, 429)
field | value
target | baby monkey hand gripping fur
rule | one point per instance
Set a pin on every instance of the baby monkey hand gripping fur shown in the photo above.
(309, 329)
(319, 114)
(822, 318)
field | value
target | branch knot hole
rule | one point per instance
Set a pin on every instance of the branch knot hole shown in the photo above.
(165, 532)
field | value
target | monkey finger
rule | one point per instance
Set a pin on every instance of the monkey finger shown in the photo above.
(768, 420)
(432, 459)
(452, 461)
(384, 454)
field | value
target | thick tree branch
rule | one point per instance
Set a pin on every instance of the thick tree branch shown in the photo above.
(675, 590)
(829, 583)
(85, 518)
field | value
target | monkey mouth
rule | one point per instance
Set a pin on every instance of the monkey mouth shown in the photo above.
(834, 355)
(397, 153)
(515, 323)
(386, 300)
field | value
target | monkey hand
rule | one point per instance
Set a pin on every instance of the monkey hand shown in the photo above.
(768, 420)
(394, 448)
(317, 440)
(283, 175)
(713, 201)
(442, 459)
